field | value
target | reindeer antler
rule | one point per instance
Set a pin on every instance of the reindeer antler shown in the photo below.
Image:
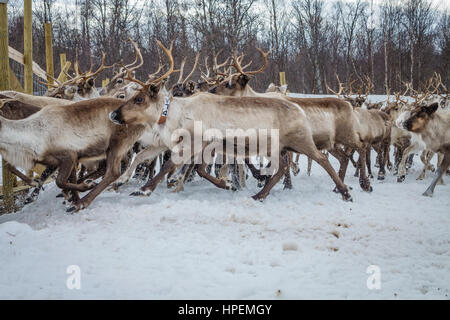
(217, 66)
(168, 52)
(193, 68)
(341, 87)
(180, 79)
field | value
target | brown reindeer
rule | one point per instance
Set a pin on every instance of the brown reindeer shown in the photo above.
(80, 87)
(433, 127)
(332, 121)
(221, 112)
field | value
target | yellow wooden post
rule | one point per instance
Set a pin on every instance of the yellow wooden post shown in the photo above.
(28, 51)
(8, 177)
(105, 82)
(62, 60)
(49, 52)
(28, 47)
(282, 78)
(62, 75)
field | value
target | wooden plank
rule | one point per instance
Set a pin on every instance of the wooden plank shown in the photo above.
(62, 75)
(8, 178)
(18, 57)
(28, 47)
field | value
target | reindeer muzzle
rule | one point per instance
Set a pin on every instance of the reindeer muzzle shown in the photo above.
(213, 90)
(116, 117)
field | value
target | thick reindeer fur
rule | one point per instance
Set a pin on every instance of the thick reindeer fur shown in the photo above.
(222, 113)
(332, 120)
(34, 100)
(15, 110)
(61, 135)
(433, 126)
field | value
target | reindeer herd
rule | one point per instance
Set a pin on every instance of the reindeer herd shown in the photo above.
(81, 134)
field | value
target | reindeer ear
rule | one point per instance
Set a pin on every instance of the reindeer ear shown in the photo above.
(243, 79)
(431, 108)
(153, 90)
(91, 82)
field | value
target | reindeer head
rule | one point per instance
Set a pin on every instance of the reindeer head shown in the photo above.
(235, 84)
(127, 91)
(358, 101)
(141, 107)
(416, 119)
(80, 87)
(278, 89)
(119, 80)
(185, 88)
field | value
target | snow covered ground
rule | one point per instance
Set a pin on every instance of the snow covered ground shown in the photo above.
(206, 243)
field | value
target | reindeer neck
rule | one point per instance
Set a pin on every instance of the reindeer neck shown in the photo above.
(249, 92)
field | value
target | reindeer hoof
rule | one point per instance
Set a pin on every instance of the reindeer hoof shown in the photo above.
(75, 207)
(346, 196)
(258, 198)
(380, 178)
(401, 178)
(29, 200)
(72, 209)
(370, 176)
(60, 195)
(115, 187)
(428, 194)
(141, 193)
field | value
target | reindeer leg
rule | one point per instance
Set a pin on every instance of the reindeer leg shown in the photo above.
(294, 164)
(354, 163)
(113, 164)
(287, 175)
(410, 161)
(369, 162)
(94, 175)
(309, 166)
(283, 166)
(220, 183)
(149, 153)
(307, 147)
(402, 166)
(343, 163)
(33, 195)
(383, 152)
(27, 180)
(151, 185)
(387, 157)
(67, 164)
(425, 157)
(363, 180)
(256, 173)
(439, 173)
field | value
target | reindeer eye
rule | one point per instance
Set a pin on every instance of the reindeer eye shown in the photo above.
(122, 96)
(80, 90)
(119, 80)
(138, 100)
